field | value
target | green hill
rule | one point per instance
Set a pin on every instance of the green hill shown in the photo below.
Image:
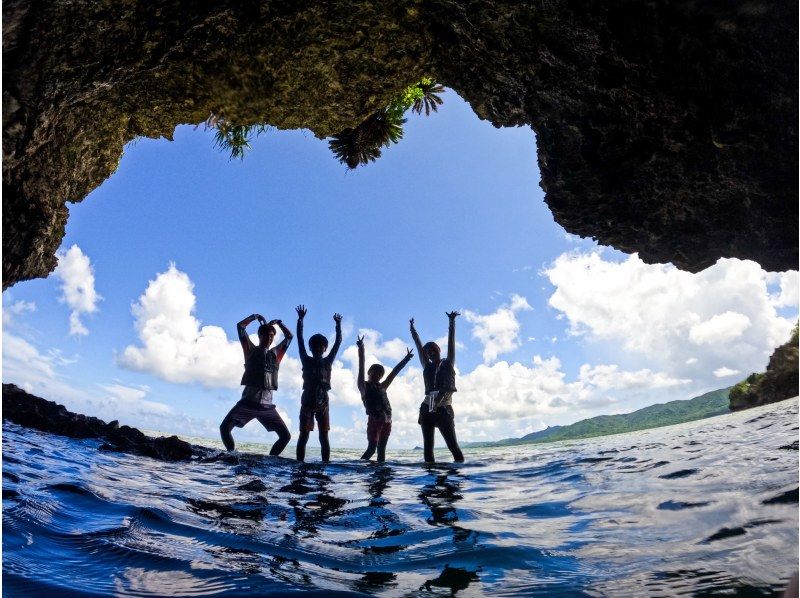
(664, 414)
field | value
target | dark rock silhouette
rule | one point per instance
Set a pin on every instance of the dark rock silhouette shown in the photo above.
(28, 410)
(778, 383)
(665, 128)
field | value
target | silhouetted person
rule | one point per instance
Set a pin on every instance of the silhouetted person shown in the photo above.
(376, 402)
(439, 375)
(316, 383)
(260, 379)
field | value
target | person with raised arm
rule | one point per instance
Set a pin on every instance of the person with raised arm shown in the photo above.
(439, 376)
(260, 380)
(376, 401)
(317, 369)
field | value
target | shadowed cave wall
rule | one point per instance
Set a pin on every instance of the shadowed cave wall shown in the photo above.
(666, 128)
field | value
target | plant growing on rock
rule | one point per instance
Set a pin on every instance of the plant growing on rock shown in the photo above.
(232, 137)
(362, 144)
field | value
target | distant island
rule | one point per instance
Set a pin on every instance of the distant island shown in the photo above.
(663, 414)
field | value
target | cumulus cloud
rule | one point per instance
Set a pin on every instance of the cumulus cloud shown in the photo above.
(502, 399)
(498, 332)
(75, 271)
(174, 345)
(721, 328)
(690, 325)
(789, 293)
(724, 372)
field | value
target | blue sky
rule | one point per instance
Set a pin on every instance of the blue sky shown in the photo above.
(554, 328)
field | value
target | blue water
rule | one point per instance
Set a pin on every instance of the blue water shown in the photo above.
(703, 508)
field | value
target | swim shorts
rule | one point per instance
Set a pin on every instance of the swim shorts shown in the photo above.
(309, 414)
(378, 428)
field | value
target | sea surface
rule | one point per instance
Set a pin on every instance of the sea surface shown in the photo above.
(704, 508)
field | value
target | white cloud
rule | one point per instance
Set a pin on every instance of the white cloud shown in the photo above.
(175, 347)
(724, 372)
(43, 375)
(77, 287)
(498, 331)
(607, 377)
(789, 289)
(721, 328)
(23, 362)
(661, 314)
(11, 310)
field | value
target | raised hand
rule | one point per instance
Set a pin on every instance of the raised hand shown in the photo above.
(452, 314)
(411, 321)
(360, 342)
(409, 353)
(301, 311)
(337, 317)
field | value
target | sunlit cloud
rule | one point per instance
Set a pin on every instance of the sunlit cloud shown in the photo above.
(498, 331)
(689, 325)
(76, 274)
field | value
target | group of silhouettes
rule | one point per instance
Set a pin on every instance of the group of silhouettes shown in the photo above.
(260, 380)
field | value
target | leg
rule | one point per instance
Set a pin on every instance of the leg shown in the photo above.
(382, 449)
(225, 431)
(325, 445)
(448, 429)
(301, 445)
(427, 441)
(274, 423)
(306, 425)
(323, 420)
(239, 415)
(370, 451)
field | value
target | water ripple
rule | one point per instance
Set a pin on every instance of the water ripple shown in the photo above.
(702, 508)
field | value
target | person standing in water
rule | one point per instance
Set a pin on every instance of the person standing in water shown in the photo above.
(316, 384)
(376, 402)
(439, 375)
(260, 379)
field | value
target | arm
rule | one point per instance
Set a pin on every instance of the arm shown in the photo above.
(398, 368)
(247, 344)
(418, 343)
(451, 337)
(360, 379)
(336, 343)
(301, 313)
(287, 339)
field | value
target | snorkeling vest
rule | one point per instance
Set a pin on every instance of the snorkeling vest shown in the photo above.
(441, 376)
(376, 401)
(317, 374)
(261, 369)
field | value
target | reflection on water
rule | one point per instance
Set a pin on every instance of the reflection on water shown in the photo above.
(703, 509)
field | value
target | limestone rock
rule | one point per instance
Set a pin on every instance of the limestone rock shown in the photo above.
(28, 410)
(667, 128)
(778, 383)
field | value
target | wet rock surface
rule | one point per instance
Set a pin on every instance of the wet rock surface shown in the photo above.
(28, 410)
(665, 128)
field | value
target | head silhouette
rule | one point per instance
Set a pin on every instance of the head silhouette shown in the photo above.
(266, 332)
(432, 351)
(375, 372)
(318, 345)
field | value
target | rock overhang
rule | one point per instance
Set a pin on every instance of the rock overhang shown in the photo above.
(663, 128)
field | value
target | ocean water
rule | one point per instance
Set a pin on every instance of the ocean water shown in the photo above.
(704, 508)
